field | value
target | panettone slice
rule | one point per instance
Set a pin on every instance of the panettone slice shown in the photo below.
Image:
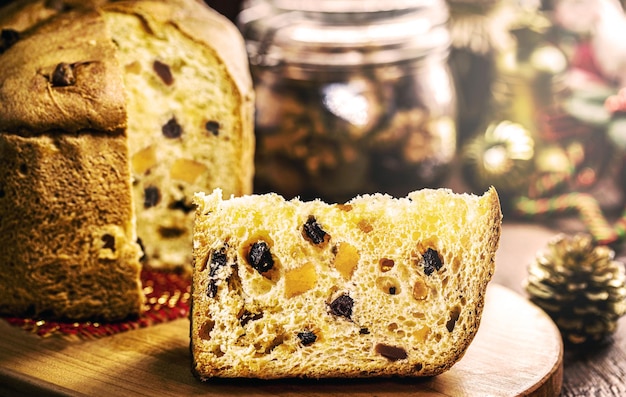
(378, 286)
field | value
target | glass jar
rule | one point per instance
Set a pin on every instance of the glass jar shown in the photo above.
(353, 96)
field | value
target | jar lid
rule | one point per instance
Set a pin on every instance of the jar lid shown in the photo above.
(343, 32)
(351, 6)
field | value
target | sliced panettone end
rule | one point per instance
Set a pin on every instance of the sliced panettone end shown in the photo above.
(85, 149)
(375, 287)
(68, 247)
(190, 115)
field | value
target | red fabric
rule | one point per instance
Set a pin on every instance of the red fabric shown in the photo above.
(167, 298)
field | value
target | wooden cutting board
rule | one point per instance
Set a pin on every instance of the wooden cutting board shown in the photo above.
(517, 351)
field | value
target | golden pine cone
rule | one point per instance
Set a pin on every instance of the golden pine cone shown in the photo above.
(580, 286)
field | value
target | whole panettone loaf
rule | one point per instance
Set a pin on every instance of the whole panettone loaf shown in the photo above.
(111, 116)
(374, 287)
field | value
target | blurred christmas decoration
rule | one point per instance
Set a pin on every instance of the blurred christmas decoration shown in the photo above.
(478, 31)
(596, 29)
(580, 286)
(553, 92)
(503, 156)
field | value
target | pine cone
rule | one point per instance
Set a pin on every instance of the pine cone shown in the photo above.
(580, 286)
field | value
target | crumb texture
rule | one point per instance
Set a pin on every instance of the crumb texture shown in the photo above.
(188, 120)
(374, 287)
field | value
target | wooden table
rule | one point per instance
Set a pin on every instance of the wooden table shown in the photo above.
(600, 372)
(596, 372)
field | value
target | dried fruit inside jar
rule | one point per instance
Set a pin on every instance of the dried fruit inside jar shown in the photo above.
(341, 134)
(351, 97)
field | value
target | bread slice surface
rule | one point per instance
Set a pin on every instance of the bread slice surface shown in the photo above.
(378, 286)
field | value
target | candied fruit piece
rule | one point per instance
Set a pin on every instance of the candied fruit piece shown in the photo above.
(342, 306)
(346, 259)
(307, 337)
(300, 280)
(151, 196)
(420, 290)
(144, 160)
(163, 71)
(313, 230)
(432, 261)
(365, 226)
(260, 257)
(392, 353)
(386, 264)
(187, 170)
(133, 67)
(422, 333)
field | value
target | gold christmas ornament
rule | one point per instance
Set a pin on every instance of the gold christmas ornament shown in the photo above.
(503, 157)
(580, 286)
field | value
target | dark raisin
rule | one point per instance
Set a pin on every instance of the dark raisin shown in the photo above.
(246, 317)
(307, 337)
(171, 231)
(342, 306)
(109, 242)
(212, 289)
(213, 127)
(163, 71)
(151, 196)
(313, 230)
(432, 261)
(8, 37)
(392, 353)
(218, 260)
(260, 257)
(63, 75)
(364, 331)
(143, 250)
(57, 5)
(172, 129)
(205, 329)
(182, 205)
(392, 290)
